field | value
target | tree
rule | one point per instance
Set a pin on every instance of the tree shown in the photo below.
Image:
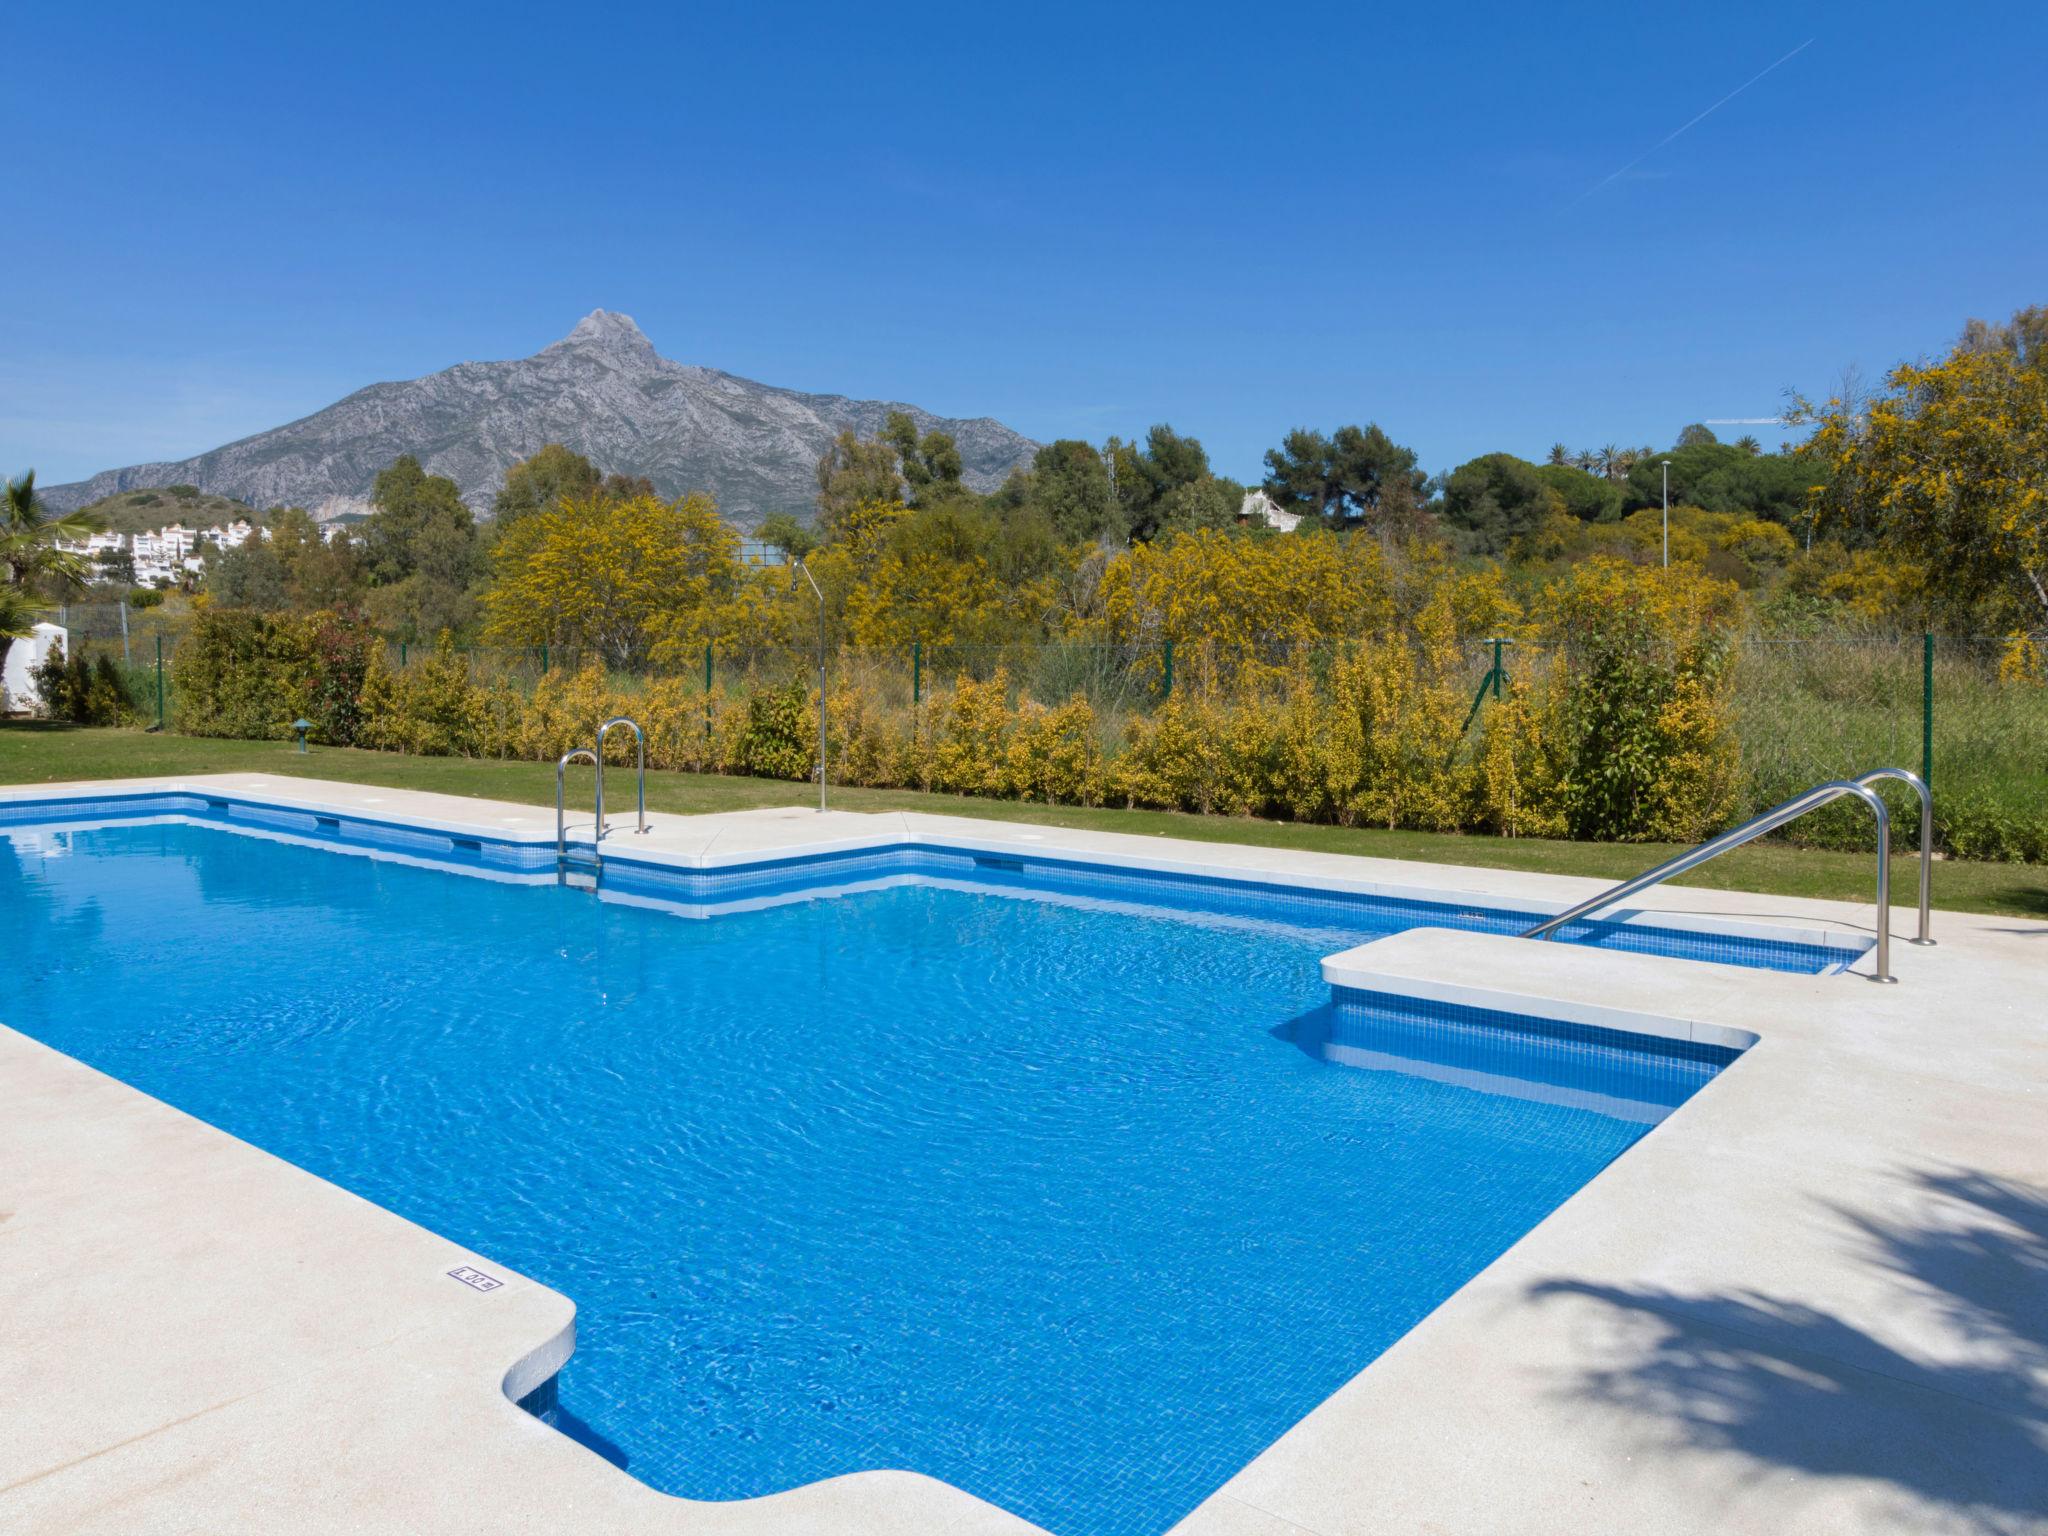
(1588, 499)
(1495, 499)
(1211, 502)
(1697, 436)
(418, 519)
(1722, 477)
(319, 571)
(419, 549)
(1070, 484)
(29, 550)
(618, 487)
(787, 535)
(1560, 455)
(852, 472)
(553, 475)
(1355, 474)
(19, 615)
(631, 581)
(1164, 485)
(1749, 445)
(930, 464)
(30, 538)
(1950, 462)
(248, 576)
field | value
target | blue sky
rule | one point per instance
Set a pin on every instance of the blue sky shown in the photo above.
(1081, 220)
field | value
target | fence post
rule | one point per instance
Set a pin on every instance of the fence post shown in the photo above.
(401, 655)
(1167, 691)
(1927, 710)
(707, 702)
(916, 672)
(543, 656)
(1496, 667)
(159, 681)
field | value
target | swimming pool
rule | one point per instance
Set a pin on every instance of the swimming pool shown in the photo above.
(1075, 1201)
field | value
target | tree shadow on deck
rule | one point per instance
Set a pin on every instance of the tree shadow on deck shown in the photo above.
(1958, 1437)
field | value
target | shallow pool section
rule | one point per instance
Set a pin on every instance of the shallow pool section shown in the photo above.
(1077, 1203)
(1012, 870)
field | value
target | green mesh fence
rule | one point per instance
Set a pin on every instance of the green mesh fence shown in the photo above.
(1805, 709)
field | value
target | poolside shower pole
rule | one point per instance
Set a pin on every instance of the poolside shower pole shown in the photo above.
(1927, 710)
(821, 680)
(1667, 514)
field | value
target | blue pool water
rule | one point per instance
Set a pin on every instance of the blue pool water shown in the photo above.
(1075, 1208)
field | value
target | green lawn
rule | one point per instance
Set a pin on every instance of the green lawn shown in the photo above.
(33, 753)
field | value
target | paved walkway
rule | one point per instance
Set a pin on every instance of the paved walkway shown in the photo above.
(1814, 1299)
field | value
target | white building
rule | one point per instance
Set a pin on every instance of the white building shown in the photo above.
(232, 537)
(1258, 507)
(18, 684)
(164, 555)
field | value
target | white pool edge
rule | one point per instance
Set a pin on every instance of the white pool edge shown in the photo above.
(1637, 993)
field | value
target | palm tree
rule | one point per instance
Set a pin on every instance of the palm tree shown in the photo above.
(1749, 444)
(1559, 454)
(1606, 459)
(19, 614)
(30, 538)
(1586, 459)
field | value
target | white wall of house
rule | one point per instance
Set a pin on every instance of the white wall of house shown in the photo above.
(18, 686)
(1259, 507)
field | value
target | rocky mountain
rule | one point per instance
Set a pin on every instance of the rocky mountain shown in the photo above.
(602, 390)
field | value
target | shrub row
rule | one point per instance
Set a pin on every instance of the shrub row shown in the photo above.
(1595, 745)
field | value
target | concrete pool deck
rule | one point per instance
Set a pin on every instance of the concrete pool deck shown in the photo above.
(1814, 1299)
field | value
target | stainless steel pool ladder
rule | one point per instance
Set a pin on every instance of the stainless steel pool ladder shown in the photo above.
(640, 739)
(1777, 816)
(561, 826)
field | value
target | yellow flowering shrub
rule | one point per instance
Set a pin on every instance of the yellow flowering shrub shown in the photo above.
(1236, 606)
(2021, 661)
(969, 749)
(1056, 754)
(1170, 761)
(1520, 771)
(430, 708)
(1648, 735)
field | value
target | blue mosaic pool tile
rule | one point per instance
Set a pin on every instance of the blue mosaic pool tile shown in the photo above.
(1637, 1076)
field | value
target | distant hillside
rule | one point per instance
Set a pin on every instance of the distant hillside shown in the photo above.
(602, 390)
(144, 511)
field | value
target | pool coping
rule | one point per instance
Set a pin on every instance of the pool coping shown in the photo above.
(1464, 1417)
(621, 849)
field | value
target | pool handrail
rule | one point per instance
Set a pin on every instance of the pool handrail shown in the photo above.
(1767, 821)
(640, 737)
(561, 772)
(1907, 776)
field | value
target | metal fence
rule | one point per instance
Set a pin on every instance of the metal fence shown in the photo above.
(1806, 709)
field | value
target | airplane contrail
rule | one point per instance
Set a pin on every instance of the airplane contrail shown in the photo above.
(1717, 106)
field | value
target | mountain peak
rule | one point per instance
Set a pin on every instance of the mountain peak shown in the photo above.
(603, 391)
(610, 331)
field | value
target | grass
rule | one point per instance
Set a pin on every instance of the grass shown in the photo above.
(33, 753)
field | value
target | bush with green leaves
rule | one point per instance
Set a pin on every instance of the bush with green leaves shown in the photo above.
(79, 692)
(780, 738)
(246, 674)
